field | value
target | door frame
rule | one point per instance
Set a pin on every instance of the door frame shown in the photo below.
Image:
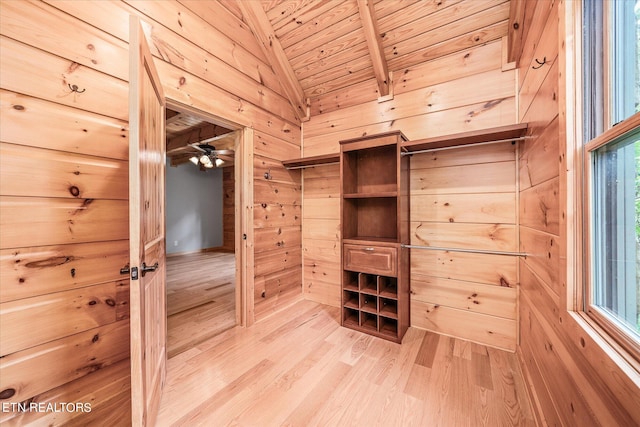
(243, 172)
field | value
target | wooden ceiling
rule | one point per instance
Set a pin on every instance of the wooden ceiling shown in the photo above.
(322, 48)
(328, 53)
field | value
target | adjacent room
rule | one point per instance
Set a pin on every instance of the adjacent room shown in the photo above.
(320, 212)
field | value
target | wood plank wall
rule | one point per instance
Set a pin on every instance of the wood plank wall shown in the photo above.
(465, 198)
(574, 381)
(277, 231)
(64, 183)
(321, 234)
(464, 90)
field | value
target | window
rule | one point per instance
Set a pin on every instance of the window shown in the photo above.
(611, 127)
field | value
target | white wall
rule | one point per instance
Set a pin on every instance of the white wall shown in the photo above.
(194, 208)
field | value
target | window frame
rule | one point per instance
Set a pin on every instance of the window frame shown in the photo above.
(613, 333)
(597, 122)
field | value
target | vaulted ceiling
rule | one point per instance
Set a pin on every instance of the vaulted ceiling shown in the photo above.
(330, 52)
(320, 48)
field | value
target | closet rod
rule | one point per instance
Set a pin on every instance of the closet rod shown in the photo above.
(312, 166)
(473, 251)
(428, 150)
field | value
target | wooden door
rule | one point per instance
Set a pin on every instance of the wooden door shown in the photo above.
(147, 230)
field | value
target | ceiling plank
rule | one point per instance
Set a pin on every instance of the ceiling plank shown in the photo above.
(259, 23)
(374, 42)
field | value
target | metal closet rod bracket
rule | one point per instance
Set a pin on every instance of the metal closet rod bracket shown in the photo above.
(472, 251)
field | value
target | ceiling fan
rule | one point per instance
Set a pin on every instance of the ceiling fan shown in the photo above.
(210, 157)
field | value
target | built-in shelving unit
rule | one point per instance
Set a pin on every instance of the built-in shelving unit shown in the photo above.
(375, 225)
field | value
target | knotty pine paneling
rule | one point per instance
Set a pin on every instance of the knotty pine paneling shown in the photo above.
(321, 235)
(39, 221)
(534, 165)
(439, 70)
(275, 291)
(573, 373)
(483, 178)
(33, 271)
(61, 128)
(491, 113)
(487, 330)
(49, 365)
(65, 228)
(466, 207)
(470, 296)
(445, 293)
(546, 51)
(433, 98)
(466, 17)
(58, 315)
(277, 222)
(481, 268)
(40, 74)
(60, 174)
(111, 384)
(474, 235)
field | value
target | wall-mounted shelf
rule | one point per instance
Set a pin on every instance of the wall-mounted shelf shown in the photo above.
(305, 162)
(458, 140)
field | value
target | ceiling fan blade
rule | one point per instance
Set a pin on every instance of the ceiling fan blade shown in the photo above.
(223, 152)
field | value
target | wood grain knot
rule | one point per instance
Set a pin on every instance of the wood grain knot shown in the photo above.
(110, 302)
(7, 393)
(18, 107)
(75, 191)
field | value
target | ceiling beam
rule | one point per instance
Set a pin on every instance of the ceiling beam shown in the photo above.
(263, 30)
(195, 135)
(374, 43)
(515, 30)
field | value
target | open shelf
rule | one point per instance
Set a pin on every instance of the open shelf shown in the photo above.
(369, 303)
(388, 308)
(351, 317)
(368, 284)
(387, 194)
(350, 281)
(305, 162)
(351, 300)
(369, 321)
(501, 133)
(388, 326)
(388, 287)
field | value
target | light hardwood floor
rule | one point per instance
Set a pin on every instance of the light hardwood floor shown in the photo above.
(300, 368)
(200, 298)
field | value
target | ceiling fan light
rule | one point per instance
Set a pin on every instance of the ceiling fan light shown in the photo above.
(194, 160)
(208, 165)
(219, 162)
(205, 160)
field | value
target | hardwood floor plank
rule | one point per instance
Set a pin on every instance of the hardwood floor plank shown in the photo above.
(300, 368)
(200, 298)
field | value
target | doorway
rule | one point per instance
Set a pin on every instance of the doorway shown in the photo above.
(202, 282)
